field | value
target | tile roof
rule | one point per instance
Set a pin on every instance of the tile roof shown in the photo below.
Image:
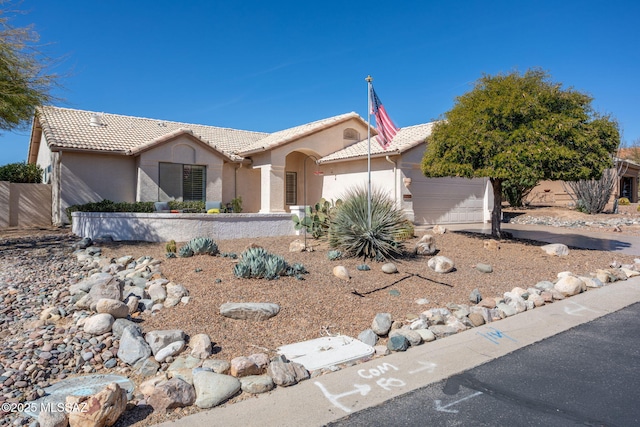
(71, 129)
(282, 137)
(406, 138)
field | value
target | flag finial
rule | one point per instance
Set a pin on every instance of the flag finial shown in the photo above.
(369, 79)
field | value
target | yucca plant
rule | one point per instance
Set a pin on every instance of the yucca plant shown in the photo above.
(351, 233)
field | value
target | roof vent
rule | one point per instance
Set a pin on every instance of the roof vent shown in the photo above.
(96, 119)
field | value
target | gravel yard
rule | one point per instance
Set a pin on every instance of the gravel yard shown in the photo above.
(33, 269)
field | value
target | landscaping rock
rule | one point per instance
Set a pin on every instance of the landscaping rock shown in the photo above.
(249, 310)
(381, 324)
(368, 337)
(341, 272)
(440, 264)
(100, 409)
(114, 307)
(570, 285)
(389, 268)
(286, 373)
(256, 384)
(398, 343)
(557, 249)
(98, 324)
(173, 393)
(212, 389)
(133, 347)
(200, 346)
(158, 340)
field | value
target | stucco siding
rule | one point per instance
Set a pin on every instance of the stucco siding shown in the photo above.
(182, 150)
(338, 178)
(93, 177)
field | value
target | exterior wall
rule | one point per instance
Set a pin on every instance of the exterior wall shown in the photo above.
(273, 163)
(248, 187)
(341, 177)
(185, 150)
(557, 193)
(25, 205)
(162, 227)
(90, 177)
(45, 160)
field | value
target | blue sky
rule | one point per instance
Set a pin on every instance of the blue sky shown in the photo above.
(270, 65)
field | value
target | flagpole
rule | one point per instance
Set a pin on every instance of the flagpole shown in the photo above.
(369, 79)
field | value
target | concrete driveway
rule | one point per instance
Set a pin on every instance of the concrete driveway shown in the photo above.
(572, 237)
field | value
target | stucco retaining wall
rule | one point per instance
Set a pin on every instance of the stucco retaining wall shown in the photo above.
(181, 227)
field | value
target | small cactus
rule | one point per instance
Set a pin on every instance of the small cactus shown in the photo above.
(171, 247)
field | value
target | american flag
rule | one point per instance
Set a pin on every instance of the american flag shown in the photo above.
(386, 129)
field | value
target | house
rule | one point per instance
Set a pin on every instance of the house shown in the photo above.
(558, 193)
(89, 156)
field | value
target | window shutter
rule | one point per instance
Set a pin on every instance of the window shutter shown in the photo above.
(193, 184)
(292, 188)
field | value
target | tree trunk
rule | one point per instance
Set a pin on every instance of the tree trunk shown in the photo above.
(496, 213)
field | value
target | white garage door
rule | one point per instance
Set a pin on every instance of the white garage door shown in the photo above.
(447, 200)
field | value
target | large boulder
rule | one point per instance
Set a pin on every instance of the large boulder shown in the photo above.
(97, 410)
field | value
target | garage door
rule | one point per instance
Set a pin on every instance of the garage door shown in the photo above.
(447, 200)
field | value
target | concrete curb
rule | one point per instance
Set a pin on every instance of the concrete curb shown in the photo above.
(327, 398)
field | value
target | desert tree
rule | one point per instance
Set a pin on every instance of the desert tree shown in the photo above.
(25, 79)
(520, 127)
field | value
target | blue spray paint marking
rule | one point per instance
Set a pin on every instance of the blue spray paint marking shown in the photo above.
(495, 335)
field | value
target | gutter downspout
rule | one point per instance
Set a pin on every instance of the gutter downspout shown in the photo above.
(395, 178)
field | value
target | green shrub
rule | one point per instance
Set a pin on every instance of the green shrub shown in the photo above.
(623, 201)
(138, 207)
(22, 173)
(351, 233)
(109, 206)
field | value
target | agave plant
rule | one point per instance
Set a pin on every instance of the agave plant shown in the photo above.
(333, 255)
(203, 245)
(185, 251)
(258, 263)
(351, 233)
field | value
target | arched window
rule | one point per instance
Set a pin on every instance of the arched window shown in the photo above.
(351, 134)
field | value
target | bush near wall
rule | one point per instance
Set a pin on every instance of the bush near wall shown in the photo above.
(21, 173)
(138, 207)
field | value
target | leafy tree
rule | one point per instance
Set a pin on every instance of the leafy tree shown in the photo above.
(515, 191)
(24, 80)
(21, 173)
(522, 127)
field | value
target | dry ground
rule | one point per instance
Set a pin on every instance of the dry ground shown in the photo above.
(323, 304)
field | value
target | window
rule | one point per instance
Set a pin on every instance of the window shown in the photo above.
(182, 182)
(292, 188)
(351, 134)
